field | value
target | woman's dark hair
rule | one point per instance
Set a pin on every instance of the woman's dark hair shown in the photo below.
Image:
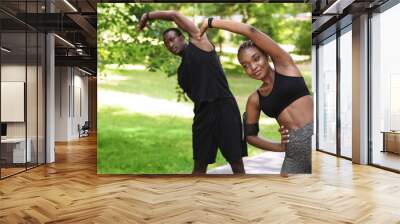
(176, 30)
(249, 44)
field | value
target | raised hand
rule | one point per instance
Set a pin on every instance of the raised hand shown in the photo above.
(203, 29)
(143, 21)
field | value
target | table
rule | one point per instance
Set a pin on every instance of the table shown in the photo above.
(17, 150)
(391, 141)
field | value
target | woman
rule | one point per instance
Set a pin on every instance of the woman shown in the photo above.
(282, 95)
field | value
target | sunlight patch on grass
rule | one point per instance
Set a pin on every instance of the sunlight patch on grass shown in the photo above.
(126, 67)
(131, 143)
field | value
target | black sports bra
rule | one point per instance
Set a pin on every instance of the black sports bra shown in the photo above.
(285, 90)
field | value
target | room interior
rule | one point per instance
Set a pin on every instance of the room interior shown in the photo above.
(49, 90)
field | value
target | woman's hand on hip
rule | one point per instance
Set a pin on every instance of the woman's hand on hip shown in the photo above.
(284, 137)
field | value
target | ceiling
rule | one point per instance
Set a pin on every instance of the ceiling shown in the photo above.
(73, 21)
(329, 15)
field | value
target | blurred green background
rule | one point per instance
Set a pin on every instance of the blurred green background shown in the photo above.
(132, 65)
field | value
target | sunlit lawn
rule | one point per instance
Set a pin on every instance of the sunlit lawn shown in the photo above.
(134, 143)
(158, 85)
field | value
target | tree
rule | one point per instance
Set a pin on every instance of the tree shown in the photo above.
(120, 43)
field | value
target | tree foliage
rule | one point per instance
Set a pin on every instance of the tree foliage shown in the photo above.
(119, 42)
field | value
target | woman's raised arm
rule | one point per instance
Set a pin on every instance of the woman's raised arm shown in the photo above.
(279, 56)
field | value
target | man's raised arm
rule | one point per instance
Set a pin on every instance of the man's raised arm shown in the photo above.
(180, 20)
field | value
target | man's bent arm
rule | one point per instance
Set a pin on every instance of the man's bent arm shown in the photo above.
(180, 20)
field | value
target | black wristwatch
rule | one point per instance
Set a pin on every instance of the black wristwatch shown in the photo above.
(210, 22)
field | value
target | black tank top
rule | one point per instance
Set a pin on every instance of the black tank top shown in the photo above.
(285, 90)
(201, 75)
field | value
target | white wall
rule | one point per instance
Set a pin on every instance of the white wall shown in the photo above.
(71, 102)
(62, 81)
(12, 73)
(12, 101)
(33, 126)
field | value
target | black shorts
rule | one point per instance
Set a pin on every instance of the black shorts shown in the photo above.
(217, 124)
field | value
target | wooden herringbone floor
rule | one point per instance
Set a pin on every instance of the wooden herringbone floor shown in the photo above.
(70, 191)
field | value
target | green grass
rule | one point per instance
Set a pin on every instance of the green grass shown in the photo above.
(132, 143)
(158, 85)
(155, 84)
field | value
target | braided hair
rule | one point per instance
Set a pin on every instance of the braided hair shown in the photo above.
(249, 44)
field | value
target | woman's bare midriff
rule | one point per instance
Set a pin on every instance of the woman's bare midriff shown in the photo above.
(298, 114)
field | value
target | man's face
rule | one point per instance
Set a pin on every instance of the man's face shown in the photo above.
(173, 42)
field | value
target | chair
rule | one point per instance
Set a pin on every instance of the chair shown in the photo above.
(84, 130)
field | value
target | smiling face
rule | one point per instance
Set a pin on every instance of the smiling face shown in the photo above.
(174, 42)
(254, 62)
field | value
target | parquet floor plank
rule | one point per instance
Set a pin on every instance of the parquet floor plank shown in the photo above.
(70, 191)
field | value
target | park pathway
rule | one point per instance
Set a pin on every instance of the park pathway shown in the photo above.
(142, 104)
(150, 106)
(264, 163)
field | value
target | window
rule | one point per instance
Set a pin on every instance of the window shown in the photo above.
(327, 95)
(22, 76)
(385, 88)
(346, 92)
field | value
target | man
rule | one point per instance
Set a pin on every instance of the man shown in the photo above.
(217, 122)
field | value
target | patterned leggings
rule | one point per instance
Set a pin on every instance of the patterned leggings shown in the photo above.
(298, 151)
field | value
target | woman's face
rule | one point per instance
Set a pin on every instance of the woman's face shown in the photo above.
(254, 62)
